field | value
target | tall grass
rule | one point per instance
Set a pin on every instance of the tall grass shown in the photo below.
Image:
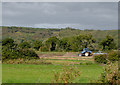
(26, 61)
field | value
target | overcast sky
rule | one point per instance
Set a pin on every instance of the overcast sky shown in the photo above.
(79, 15)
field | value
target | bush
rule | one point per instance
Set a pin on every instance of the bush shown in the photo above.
(110, 74)
(18, 53)
(24, 45)
(8, 53)
(11, 50)
(29, 54)
(86, 63)
(44, 49)
(113, 56)
(37, 45)
(101, 58)
(89, 63)
(25, 61)
(67, 75)
(8, 42)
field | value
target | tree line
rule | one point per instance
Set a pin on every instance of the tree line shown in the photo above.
(10, 49)
(75, 44)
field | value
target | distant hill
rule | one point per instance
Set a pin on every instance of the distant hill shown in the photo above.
(31, 34)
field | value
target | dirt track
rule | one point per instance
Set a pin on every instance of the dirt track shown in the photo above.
(67, 56)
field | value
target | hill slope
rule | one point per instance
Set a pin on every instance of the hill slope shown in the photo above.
(31, 34)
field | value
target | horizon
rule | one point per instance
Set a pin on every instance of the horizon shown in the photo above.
(58, 28)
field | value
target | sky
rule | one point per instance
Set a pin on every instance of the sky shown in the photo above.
(78, 15)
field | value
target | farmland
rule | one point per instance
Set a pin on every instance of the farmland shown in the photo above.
(45, 73)
(35, 55)
(59, 43)
(23, 73)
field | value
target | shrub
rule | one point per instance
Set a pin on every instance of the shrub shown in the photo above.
(67, 75)
(11, 50)
(87, 63)
(24, 45)
(110, 74)
(28, 54)
(113, 56)
(25, 61)
(18, 53)
(100, 58)
(44, 49)
(37, 45)
(81, 63)
(8, 42)
(8, 53)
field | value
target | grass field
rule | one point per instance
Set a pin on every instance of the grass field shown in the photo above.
(29, 73)
(20, 73)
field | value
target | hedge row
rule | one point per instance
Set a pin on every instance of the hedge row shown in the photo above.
(111, 56)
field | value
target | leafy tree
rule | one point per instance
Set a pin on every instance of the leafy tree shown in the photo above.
(28, 54)
(82, 41)
(24, 45)
(37, 44)
(64, 44)
(10, 50)
(52, 43)
(8, 42)
(87, 41)
(77, 43)
(108, 43)
(10, 53)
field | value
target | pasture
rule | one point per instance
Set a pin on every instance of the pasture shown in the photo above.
(20, 73)
(29, 73)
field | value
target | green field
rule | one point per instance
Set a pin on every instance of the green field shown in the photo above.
(20, 73)
(44, 73)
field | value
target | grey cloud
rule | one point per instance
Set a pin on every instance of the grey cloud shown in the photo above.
(0, 14)
(60, 0)
(87, 14)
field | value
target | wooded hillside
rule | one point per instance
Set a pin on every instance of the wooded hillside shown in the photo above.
(20, 34)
